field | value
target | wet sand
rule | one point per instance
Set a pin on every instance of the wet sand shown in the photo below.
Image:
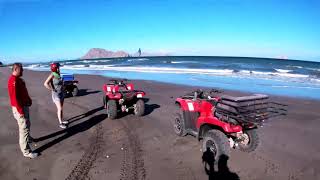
(131, 147)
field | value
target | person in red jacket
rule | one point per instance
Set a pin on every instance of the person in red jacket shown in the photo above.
(20, 103)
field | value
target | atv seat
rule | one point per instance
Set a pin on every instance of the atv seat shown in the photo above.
(128, 95)
(123, 88)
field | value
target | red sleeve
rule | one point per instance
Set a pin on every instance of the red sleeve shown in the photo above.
(13, 88)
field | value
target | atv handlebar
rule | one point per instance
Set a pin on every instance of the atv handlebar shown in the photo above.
(201, 94)
(119, 81)
(215, 91)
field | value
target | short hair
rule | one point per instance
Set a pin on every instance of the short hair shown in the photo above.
(14, 65)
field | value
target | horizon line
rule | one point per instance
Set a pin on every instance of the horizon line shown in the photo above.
(249, 57)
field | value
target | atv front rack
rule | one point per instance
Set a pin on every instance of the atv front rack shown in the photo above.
(253, 109)
(118, 81)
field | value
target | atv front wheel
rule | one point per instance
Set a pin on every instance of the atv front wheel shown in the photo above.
(112, 109)
(65, 93)
(217, 143)
(178, 123)
(249, 140)
(75, 91)
(139, 108)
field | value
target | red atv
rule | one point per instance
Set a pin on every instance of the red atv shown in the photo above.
(121, 97)
(223, 122)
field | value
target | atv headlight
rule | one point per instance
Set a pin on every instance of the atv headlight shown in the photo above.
(139, 96)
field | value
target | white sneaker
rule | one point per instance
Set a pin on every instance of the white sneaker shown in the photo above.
(31, 155)
(65, 122)
(62, 126)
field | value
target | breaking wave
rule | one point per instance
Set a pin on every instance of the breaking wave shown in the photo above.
(138, 59)
(283, 70)
(281, 73)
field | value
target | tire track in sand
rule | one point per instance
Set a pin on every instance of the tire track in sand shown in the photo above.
(81, 170)
(85, 164)
(133, 163)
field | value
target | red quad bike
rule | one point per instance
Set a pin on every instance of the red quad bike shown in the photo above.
(224, 122)
(121, 97)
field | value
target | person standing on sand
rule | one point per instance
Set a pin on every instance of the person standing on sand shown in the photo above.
(20, 103)
(55, 84)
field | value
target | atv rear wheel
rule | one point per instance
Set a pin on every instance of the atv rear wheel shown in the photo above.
(217, 143)
(112, 109)
(75, 91)
(139, 108)
(178, 122)
(249, 140)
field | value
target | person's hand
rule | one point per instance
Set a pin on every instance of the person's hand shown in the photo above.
(18, 113)
(21, 115)
(29, 103)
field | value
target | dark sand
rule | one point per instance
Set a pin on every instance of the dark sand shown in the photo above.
(95, 147)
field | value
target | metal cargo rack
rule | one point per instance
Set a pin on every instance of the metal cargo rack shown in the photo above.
(253, 109)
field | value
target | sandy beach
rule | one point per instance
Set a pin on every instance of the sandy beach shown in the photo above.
(130, 147)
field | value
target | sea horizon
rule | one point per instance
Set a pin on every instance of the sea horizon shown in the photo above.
(256, 75)
(208, 56)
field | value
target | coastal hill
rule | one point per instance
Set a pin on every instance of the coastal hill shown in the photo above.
(102, 53)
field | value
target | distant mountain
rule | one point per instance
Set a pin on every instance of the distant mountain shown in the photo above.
(102, 53)
(1, 63)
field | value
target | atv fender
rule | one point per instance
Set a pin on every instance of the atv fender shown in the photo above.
(113, 95)
(187, 104)
(205, 128)
(215, 123)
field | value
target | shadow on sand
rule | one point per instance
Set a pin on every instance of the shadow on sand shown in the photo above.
(223, 172)
(149, 108)
(84, 115)
(70, 131)
(84, 92)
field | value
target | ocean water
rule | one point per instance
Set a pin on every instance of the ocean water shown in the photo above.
(255, 75)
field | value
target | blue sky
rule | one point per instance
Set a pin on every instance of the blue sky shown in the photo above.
(36, 30)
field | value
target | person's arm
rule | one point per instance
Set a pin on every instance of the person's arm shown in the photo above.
(14, 91)
(28, 98)
(47, 83)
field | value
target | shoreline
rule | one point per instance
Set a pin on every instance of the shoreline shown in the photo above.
(199, 87)
(98, 148)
